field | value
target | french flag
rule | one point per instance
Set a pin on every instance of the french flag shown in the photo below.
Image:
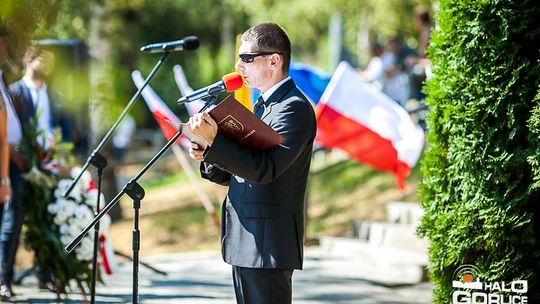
(366, 124)
(159, 109)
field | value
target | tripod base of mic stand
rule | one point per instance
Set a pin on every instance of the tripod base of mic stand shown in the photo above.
(136, 192)
(100, 163)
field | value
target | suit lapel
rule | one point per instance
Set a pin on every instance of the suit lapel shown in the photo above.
(277, 96)
(27, 97)
(53, 108)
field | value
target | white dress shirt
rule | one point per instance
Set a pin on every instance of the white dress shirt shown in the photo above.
(14, 130)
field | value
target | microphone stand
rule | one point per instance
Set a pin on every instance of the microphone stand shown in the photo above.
(94, 153)
(100, 163)
(136, 192)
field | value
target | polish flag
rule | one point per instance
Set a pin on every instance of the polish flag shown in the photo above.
(159, 109)
(185, 89)
(369, 126)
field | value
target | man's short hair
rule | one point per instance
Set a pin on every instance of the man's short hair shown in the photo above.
(270, 37)
(33, 52)
(422, 13)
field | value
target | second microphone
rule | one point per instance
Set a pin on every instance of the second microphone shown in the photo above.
(229, 82)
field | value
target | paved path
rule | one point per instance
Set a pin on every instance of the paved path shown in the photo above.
(202, 277)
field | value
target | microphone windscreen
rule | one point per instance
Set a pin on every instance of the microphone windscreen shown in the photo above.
(233, 81)
(191, 43)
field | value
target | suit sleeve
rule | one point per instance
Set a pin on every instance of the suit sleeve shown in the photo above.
(215, 175)
(295, 121)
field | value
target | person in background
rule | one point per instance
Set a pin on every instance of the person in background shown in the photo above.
(422, 65)
(31, 99)
(122, 137)
(397, 62)
(374, 72)
(262, 231)
(421, 69)
(422, 20)
(6, 191)
(5, 183)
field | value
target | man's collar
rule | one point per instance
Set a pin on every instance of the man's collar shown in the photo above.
(29, 83)
(271, 91)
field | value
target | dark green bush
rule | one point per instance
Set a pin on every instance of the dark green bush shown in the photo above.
(481, 176)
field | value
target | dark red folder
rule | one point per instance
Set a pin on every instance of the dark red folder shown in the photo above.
(240, 125)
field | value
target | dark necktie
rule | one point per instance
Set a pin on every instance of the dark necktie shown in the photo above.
(259, 109)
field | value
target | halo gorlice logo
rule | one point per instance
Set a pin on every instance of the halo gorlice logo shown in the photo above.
(468, 289)
(468, 277)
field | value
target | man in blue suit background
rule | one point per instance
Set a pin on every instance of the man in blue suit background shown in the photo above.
(263, 214)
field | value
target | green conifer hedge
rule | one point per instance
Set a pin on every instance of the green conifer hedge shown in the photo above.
(481, 171)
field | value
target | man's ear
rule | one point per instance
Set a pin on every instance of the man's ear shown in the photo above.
(275, 61)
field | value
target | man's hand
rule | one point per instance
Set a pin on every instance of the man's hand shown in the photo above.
(202, 125)
(196, 152)
(5, 193)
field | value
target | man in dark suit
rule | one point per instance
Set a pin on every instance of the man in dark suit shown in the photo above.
(263, 214)
(31, 98)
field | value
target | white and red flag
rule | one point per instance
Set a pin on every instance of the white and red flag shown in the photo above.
(159, 109)
(185, 89)
(366, 124)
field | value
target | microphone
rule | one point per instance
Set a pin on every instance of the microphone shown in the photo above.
(189, 43)
(229, 82)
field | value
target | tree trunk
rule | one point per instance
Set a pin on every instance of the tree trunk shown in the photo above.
(101, 98)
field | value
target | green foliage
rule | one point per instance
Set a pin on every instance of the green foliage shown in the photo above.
(154, 184)
(169, 220)
(478, 191)
(43, 240)
(534, 126)
(22, 18)
(41, 233)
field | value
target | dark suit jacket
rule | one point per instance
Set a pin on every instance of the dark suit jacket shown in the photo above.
(24, 107)
(263, 213)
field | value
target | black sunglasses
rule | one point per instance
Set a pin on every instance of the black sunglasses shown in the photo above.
(249, 57)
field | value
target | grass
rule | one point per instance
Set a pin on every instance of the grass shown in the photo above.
(180, 228)
(172, 221)
(346, 191)
(155, 184)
